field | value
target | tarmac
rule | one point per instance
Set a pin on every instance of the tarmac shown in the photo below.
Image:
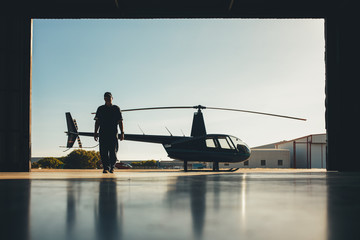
(172, 204)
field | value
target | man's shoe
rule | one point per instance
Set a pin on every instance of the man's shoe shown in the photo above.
(105, 171)
(111, 170)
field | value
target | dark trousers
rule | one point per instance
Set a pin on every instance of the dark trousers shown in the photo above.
(108, 150)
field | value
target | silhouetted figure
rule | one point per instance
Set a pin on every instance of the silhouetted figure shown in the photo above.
(107, 118)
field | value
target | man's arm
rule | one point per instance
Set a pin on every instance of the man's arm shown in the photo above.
(121, 126)
(97, 125)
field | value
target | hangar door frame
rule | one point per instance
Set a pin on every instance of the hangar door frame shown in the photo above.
(15, 66)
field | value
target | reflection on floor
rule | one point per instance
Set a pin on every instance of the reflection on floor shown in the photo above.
(239, 205)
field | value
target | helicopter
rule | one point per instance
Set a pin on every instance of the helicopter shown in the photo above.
(198, 147)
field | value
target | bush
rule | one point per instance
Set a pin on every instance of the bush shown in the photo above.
(35, 165)
(49, 162)
(81, 159)
(149, 163)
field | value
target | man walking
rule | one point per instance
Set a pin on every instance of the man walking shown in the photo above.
(107, 118)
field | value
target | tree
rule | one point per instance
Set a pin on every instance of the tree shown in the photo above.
(136, 164)
(35, 165)
(150, 163)
(81, 159)
(48, 162)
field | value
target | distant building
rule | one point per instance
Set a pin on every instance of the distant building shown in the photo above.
(263, 158)
(306, 152)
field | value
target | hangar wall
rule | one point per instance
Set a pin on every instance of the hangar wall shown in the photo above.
(15, 88)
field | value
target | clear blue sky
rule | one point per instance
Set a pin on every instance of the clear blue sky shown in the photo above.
(268, 65)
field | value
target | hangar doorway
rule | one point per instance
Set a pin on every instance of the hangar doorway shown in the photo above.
(144, 65)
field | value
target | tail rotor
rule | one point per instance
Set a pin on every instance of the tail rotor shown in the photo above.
(78, 137)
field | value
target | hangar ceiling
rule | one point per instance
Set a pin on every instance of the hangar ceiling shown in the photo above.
(176, 8)
(342, 51)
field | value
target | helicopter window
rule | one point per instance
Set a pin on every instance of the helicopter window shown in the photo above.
(240, 145)
(224, 143)
(210, 143)
(230, 143)
(236, 140)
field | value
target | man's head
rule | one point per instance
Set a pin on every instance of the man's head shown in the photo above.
(108, 98)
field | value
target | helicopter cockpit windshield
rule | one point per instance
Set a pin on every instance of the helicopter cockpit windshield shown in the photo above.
(240, 145)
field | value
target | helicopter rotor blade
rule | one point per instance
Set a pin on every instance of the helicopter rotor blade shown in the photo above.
(155, 108)
(214, 108)
(254, 112)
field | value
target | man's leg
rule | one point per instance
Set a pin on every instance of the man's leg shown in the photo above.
(112, 154)
(104, 154)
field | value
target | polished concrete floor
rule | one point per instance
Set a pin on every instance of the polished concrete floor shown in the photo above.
(177, 205)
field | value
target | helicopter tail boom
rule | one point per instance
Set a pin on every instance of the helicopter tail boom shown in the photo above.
(153, 138)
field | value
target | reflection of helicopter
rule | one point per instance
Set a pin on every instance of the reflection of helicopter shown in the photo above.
(200, 146)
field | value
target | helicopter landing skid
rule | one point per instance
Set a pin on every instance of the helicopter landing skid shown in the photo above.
(233, 169)
(207, 170)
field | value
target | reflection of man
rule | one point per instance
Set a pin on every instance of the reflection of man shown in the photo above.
(109, 223)
(107, 117)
